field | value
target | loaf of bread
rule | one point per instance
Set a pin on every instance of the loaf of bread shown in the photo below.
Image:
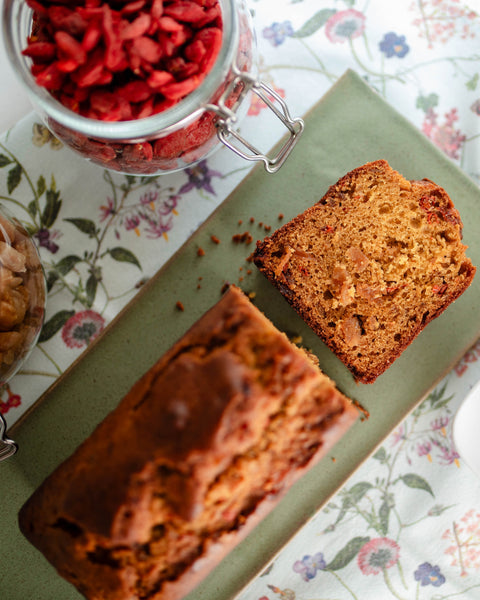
(200, 449)
(369, 265)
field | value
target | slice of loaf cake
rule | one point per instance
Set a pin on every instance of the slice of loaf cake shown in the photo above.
(198, 451)
(369, 265)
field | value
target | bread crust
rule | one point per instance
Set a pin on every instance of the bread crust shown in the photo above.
(351, 264)
(200, 449)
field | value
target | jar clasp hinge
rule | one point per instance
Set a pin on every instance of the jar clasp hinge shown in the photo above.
(228, 118)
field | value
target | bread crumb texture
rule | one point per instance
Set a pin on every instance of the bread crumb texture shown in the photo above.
(369, 265)
(220, 426)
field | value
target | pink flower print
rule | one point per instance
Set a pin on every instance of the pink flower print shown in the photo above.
(440, 424)
(149, 198)
(445, 136)
(12, 401)
(257, 104)
(448, 455)
(132, 222)
(377, 555)
(159, 228)
(82, 328)
(398, 435)
(424, 450)
(464, 539)
(345, 25)
(107, 210)
(169, 206)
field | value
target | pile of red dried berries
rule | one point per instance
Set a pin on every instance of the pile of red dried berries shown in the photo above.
(123, 60)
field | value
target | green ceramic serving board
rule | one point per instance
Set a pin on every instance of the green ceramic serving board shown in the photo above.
(350, 125)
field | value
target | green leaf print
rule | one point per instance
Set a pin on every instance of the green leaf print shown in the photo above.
(91, 289)
(347, 553)
(412, 480)
(54, 324)
(61, 268)
(4, 161)
(124, 255)
(352, 497)
(13, 178)
(84, 225)
(314, 23)
(52, 208)
(41, 185)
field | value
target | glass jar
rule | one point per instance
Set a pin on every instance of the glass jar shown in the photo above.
(179, 136)
(22, 295)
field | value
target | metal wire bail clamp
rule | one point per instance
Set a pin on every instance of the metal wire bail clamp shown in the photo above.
(228, 117)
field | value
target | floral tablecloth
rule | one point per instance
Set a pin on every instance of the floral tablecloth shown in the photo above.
(407, 523)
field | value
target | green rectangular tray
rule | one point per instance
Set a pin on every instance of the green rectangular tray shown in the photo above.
(349, 126)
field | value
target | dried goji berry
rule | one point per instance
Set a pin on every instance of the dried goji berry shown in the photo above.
(168, 24)
(67, 65)
(211, 37)
(157, 79)
(70, 48)
(100, 151)
(64, 19)
(127, 59)
(92, 36)
(137, 153)
(103, 101)
(212, 16)
(179, 89)
(135, 91)
(156, 9)
(185, 11)
(145, 109)
(91, 72)
(146, 49)
(168, 47)
(195, 51)
(182, 35)
(170, 146)
(132, 7)
(40, 51)
(50, 77)
(136, 28)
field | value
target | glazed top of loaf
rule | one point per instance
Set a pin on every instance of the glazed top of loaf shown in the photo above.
(206, 399)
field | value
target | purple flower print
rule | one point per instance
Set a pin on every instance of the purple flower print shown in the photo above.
(345, 25)
(45, 239)
(199, 177)
(394, 45)
(427, 574)
(309, 565)
(378, 554)
(277, 33)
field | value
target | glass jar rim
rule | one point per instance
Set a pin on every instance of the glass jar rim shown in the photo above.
(185, 110)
